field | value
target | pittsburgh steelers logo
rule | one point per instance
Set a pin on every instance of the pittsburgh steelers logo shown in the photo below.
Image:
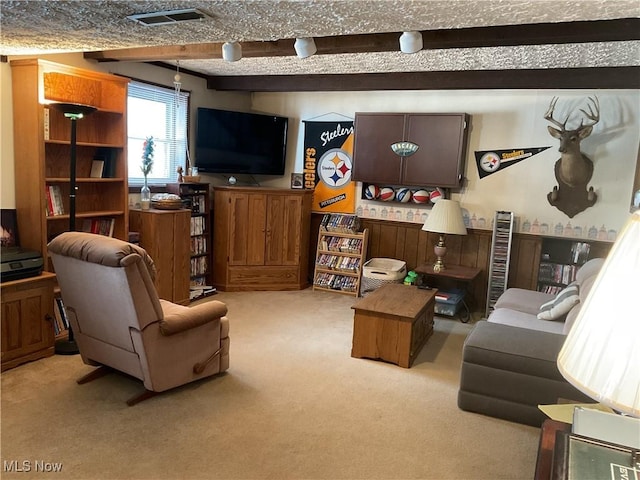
(334, 168)
(490, 162)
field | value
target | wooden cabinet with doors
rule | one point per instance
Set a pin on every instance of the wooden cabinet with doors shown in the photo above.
(261, 238)
(438, 162)
(27, 319)
(164, 234)
(42, 150)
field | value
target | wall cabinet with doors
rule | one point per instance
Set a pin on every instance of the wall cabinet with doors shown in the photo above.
(438, 162)
(42, 150)
(261, 238)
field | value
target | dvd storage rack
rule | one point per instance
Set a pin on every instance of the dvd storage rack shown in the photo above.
(500, 254)
(197, 196)
(561, 259)
(340, 255)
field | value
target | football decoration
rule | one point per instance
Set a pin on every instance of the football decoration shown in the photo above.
(403, 195)
(387, 194)
(436, 195)
(372, 192)
(420, 196)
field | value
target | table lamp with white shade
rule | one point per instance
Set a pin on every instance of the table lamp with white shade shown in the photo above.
(445, 218)
(601, 354)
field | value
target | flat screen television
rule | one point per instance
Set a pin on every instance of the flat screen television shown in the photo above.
(239, 142)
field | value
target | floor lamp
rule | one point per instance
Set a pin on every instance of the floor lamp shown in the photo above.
(73, 112)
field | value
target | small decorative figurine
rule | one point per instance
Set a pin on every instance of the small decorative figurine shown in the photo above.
(180, 177)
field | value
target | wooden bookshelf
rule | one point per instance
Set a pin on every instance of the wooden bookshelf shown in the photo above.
(42, 145)
(340, 255)
(198, 197)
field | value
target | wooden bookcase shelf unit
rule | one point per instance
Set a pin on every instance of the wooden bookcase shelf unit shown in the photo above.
(199, 199)
(42, 149)
(561, 258)
(340, 257)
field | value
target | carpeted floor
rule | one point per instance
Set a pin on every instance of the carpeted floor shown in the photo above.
(293, 405)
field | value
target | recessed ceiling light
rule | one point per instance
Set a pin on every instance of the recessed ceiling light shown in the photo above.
(168, 17)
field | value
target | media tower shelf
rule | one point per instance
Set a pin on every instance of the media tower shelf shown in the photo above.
(340, 254)
(500, 254)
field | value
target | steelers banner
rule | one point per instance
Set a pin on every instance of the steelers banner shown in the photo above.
(328, 149)
(491, 161)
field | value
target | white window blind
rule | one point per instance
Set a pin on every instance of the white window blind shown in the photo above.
(161, 113)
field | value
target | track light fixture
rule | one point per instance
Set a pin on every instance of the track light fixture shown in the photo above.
(305, 47)
(231, 51)
(410, 42)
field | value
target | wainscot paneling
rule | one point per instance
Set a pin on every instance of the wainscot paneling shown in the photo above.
(408, 242)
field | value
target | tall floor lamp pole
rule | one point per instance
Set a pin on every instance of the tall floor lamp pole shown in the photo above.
(74, 112)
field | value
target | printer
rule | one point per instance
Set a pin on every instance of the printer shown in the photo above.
(18, 262)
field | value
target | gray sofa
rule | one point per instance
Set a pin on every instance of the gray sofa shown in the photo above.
(509, 360)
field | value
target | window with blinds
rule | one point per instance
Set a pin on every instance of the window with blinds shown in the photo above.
(162, 113)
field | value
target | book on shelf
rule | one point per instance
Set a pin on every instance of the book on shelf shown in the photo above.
(199, 266)
(340, 223)
(55, 205)
(108, 156)
(101, 226)
(198, 225)
(97, 167)
(62, 313)
(201, 291)
(46, 124)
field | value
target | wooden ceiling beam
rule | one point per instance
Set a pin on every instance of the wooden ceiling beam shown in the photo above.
(553, 78)
(507, 35)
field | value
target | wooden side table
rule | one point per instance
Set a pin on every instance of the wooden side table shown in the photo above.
(544, 463)
(393, 323)
(27, 316)
(454, 274)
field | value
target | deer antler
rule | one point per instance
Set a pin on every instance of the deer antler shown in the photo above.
(593, 116)
(549, 114)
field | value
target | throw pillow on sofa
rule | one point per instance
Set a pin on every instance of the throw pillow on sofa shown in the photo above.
(557, 308)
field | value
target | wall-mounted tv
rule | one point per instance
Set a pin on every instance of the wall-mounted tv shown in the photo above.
(238, 142)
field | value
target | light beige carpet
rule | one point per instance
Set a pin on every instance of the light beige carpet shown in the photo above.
(293, 405)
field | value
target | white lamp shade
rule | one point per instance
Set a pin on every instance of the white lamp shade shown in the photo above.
(601, 355)
(231, 51)
(445, 217)
(411, 42)
(305, 47)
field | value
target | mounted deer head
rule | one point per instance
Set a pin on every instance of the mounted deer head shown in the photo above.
(574, 169)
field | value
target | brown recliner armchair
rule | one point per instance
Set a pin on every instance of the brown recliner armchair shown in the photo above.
(120, 323)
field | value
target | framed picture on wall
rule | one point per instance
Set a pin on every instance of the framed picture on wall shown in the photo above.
(297, 180)
(9, 230)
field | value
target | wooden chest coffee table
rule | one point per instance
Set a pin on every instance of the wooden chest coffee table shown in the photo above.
(393, 323)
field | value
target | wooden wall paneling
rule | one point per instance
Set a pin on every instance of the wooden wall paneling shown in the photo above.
(525, 260)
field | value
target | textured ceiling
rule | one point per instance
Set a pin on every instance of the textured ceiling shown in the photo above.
(38, 27)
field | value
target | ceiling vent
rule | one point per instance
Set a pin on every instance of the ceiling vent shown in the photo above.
(168, 17)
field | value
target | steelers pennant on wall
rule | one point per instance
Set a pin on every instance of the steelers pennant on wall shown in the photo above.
(328, 147)
(491, 161)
